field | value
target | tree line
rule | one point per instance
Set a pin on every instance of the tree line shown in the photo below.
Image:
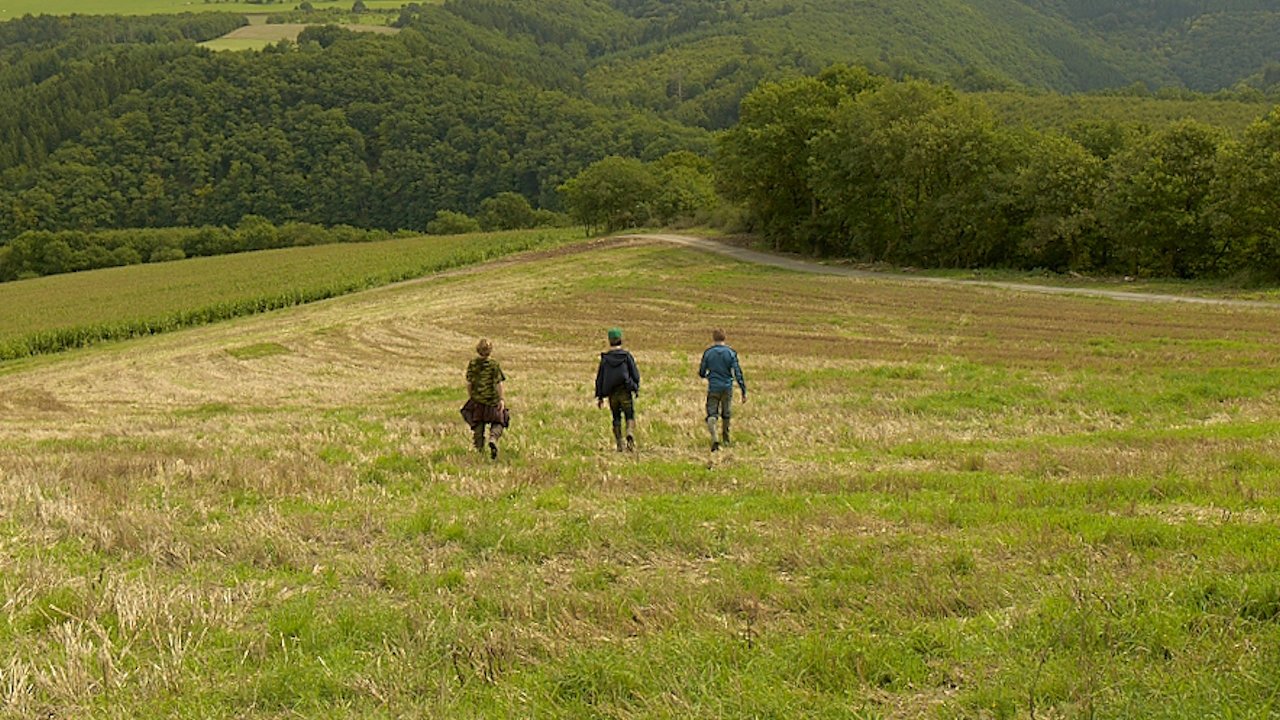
(853, 165)
(41, 252)
(36, 253)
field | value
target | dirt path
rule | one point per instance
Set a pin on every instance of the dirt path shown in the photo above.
(798, 265)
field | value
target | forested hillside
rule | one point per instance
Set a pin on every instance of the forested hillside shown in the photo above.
(696, 58)
(1204, 44)
(109, 122)
(58, 73)
(342, 128)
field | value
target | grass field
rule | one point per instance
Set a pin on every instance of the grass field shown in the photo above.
(17, 8)
(256, 37)
(942, 502)
(51, 313)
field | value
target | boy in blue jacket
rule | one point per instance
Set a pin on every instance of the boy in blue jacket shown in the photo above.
(721, 369)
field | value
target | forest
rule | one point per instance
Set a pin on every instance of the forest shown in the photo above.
(853, 165)
(338, 130)
(624, 112)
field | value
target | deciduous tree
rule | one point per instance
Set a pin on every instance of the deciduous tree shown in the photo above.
(506, 211)
(611, 194)
(1246, 198)
(1157, 208)
(764, 160)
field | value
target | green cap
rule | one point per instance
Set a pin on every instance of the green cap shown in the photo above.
(615, 334)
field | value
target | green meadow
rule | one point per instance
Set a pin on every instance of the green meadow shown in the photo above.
(257, 37)
(942, 501)
(17, 8)
(233, 44)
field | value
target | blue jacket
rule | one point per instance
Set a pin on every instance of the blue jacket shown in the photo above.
(721, 369)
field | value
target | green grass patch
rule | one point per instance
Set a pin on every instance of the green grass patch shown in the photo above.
(18, 8)
(225, 44)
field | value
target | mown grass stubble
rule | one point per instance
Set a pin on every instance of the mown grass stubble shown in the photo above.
(943, 501)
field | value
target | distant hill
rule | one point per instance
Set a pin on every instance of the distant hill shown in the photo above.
(703, 53)
(1201, 44)
(695, 59)
(124, 122)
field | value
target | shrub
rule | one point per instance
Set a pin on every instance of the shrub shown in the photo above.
(165, 254)
(448, 222)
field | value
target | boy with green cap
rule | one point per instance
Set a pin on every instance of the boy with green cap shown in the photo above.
(618, 380)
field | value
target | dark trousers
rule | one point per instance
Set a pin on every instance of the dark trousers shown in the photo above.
(622, 404)
(720, 404)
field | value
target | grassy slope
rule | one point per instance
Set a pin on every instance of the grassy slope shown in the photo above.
(945, 501)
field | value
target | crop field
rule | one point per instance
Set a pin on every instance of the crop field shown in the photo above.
(51, 313)
(256, 37)
(941, 501)
(17, 8)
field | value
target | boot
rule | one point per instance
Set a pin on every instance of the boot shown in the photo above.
(631, 435)
(477, 437)
(617, 435)
(711, 428)
(724, 433)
